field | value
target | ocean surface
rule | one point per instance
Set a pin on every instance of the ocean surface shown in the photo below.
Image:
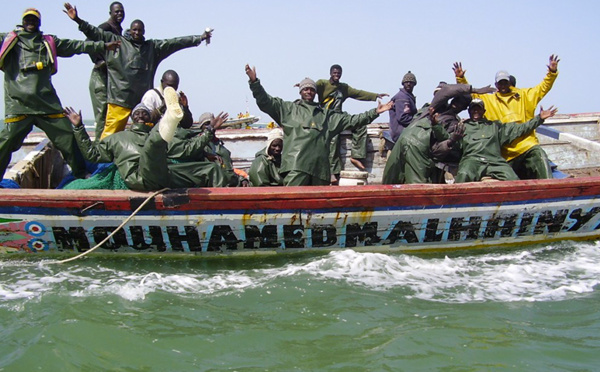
(528, 309)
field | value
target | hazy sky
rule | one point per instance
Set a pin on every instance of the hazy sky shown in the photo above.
(376, 42)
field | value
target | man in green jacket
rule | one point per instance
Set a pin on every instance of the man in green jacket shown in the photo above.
(29, 59)
(331, 94)
(264, 170)
(131, 71)
(483, 140)
(308, 130)
(142, 154)
(98, 85)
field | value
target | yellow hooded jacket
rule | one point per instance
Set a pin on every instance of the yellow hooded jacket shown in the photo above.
(517, 106)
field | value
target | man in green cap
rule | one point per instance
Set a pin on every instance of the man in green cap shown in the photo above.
(29, 58)
(308, 130)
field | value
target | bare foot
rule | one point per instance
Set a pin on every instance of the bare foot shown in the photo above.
(357, 163)
(334, 180)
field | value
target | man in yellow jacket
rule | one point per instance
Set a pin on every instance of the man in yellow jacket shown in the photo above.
(511, 104)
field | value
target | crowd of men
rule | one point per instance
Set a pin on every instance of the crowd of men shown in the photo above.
(162, 149)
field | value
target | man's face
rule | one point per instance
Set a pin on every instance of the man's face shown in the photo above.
(170, 81)
(503, 86)
(117, 13)
(141, 116)
(276, 147)
(308, 94)
(31, 23)
(408, 86)
(476, 112)
(336, 75)
(137, 31)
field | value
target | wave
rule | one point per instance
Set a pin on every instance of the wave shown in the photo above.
(548, 273)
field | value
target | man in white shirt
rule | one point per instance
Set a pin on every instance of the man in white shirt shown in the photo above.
(155, 101)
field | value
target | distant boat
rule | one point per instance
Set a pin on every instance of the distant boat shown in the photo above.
(249, 221)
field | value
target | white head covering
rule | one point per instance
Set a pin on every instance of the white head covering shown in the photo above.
(276, 133)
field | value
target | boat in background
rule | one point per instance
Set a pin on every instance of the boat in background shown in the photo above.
(248, 221)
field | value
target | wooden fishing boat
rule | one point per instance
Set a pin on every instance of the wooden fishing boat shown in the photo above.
(389, 218)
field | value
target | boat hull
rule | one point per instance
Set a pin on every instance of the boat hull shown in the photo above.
(398, 218)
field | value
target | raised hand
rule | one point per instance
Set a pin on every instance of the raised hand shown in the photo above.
(218, 120)
(73, 116)
(71, 11)
(545, 114)
(251, 72)
(553, 63)
(384, 107)
(459, 132)
(458, 70)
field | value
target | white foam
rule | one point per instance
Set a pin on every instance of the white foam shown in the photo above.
(549, 273)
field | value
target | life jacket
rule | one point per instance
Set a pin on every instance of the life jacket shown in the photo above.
(11, 40)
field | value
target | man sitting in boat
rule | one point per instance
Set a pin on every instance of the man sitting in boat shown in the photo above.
(512, 104)
(140, 153)
(29, 58)
(420, 146)
(308, 130)
(155, 101)
(482, 142)
(131, 71)
(213, 150)
(264, 170)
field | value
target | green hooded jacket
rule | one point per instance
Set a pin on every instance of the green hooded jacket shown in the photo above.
(308, 130)
(31, 92)
(132, 67)
(264, 170)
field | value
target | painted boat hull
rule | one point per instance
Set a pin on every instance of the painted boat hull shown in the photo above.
(399, 218)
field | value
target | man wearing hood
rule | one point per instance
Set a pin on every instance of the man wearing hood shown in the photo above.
(131, 71)
(308, 130)
(99, 77)
(264, 170)
(141, 152)
(28, 58)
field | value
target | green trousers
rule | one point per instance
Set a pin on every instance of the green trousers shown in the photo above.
(297, 178)
(532, 164)
(474, 169)
(409, 162)
(359, 149)
(98, 93)
(59, 132)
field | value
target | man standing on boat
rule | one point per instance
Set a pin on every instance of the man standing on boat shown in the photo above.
(131, 71)
(331, 94)
(99, 77)
(511, 104)
(405, 108)
(482, 141)
(308, 130)
(29, 58)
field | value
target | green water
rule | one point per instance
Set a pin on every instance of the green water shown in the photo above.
(533, 309)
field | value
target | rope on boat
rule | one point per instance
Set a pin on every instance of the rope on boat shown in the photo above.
(114, 231)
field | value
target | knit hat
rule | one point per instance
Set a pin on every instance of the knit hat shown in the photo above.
(276, 133)
(140, 106)
(33, 12)
(205, 118)
(409, 77)
(307, 83)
